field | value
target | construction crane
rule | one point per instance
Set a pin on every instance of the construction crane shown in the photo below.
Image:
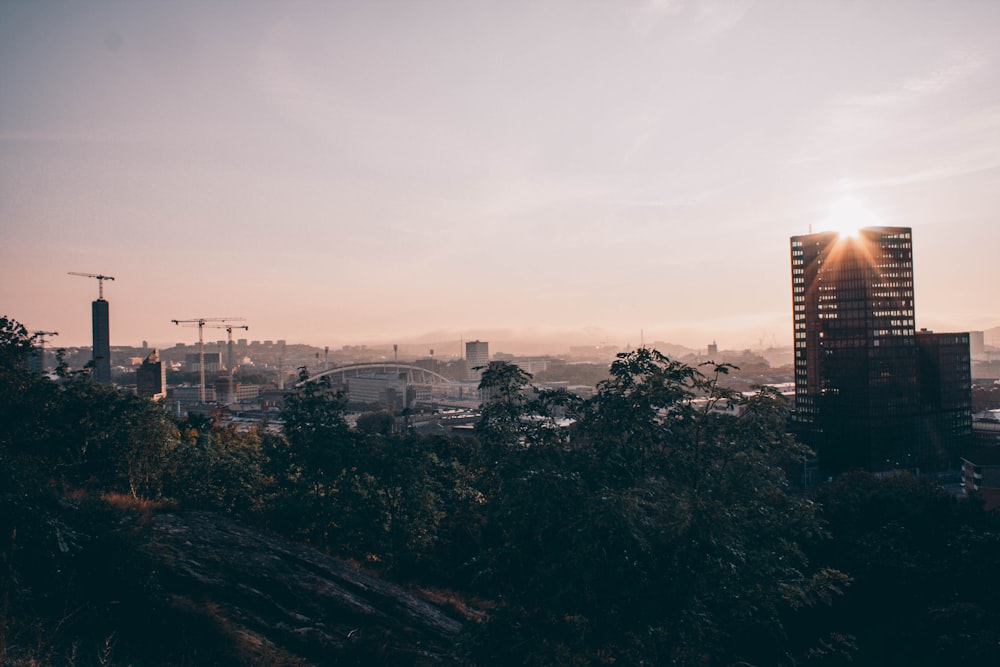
(40, 335)
(200, 323)
(229, 357)
(229, 332)
(100, 281)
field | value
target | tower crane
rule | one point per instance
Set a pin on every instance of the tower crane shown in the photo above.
(229, 332)
(100, 281)
(200, 323)
(40, 335)
(229, 360)
(100, 324)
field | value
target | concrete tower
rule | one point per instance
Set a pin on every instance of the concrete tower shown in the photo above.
(102, 342)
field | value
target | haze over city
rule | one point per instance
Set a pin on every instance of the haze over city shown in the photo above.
(341, 172)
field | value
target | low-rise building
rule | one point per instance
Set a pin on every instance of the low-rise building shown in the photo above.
(213, 362)
(981, 475)
(186, 395)
(383, 389)
(986, 427)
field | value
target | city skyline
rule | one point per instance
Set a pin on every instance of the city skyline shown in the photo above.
(342, 173)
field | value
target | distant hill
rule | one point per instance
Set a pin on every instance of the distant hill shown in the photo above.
(992, 337)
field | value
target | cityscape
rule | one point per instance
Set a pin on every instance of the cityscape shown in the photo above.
(865, 390)
(462, 334)
(859, 372)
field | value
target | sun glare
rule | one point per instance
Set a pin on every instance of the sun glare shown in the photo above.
(848, 215)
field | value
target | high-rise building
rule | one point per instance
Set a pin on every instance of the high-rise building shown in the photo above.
(858, 374)
(101, 373)
(977, 344)
(477, 354)
(945, 386)
(151, 378)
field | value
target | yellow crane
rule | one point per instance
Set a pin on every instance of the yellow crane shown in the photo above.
(200, 322)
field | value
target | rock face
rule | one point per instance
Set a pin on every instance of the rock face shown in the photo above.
(285, 598)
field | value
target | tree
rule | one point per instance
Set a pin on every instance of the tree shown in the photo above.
(502, 387)
(375, 423)
(660, 530)
(27, 400)
(924, 570)
(219, 468)
(15, 344)
(315, 426)
(515, 413)
(307, 462)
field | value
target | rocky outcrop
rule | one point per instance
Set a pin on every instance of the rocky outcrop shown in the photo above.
(285, 598)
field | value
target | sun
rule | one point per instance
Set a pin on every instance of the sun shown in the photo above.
(847, 215)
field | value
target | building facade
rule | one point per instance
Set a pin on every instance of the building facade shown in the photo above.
(101, 326)
(477, 353)
(862, 388)
(945, 387)
(151, 378)
(213, 362)
(981, 476)
(383, 389)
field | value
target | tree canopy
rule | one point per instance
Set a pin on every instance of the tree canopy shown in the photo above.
(650, 524)
(660, 528)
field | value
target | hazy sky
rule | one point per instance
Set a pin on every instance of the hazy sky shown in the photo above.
(339, 172)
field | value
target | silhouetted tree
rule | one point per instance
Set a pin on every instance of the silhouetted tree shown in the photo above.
(660, 531)
(375, 423)
(924, 567)
(220, 469)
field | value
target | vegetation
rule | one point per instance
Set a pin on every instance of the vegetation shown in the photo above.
(651, 524)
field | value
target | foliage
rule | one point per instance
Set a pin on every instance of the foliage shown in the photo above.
(315, 426)
(660, 531)
(375, 423)
(509, 416)
(384, 498)
(924, 567)
(651, 524)
(15, 344)
(219, 468)
(503, 386)
(110, 441)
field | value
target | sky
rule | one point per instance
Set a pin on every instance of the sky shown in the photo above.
(581, 171)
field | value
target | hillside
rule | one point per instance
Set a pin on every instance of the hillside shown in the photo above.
(278, 598)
